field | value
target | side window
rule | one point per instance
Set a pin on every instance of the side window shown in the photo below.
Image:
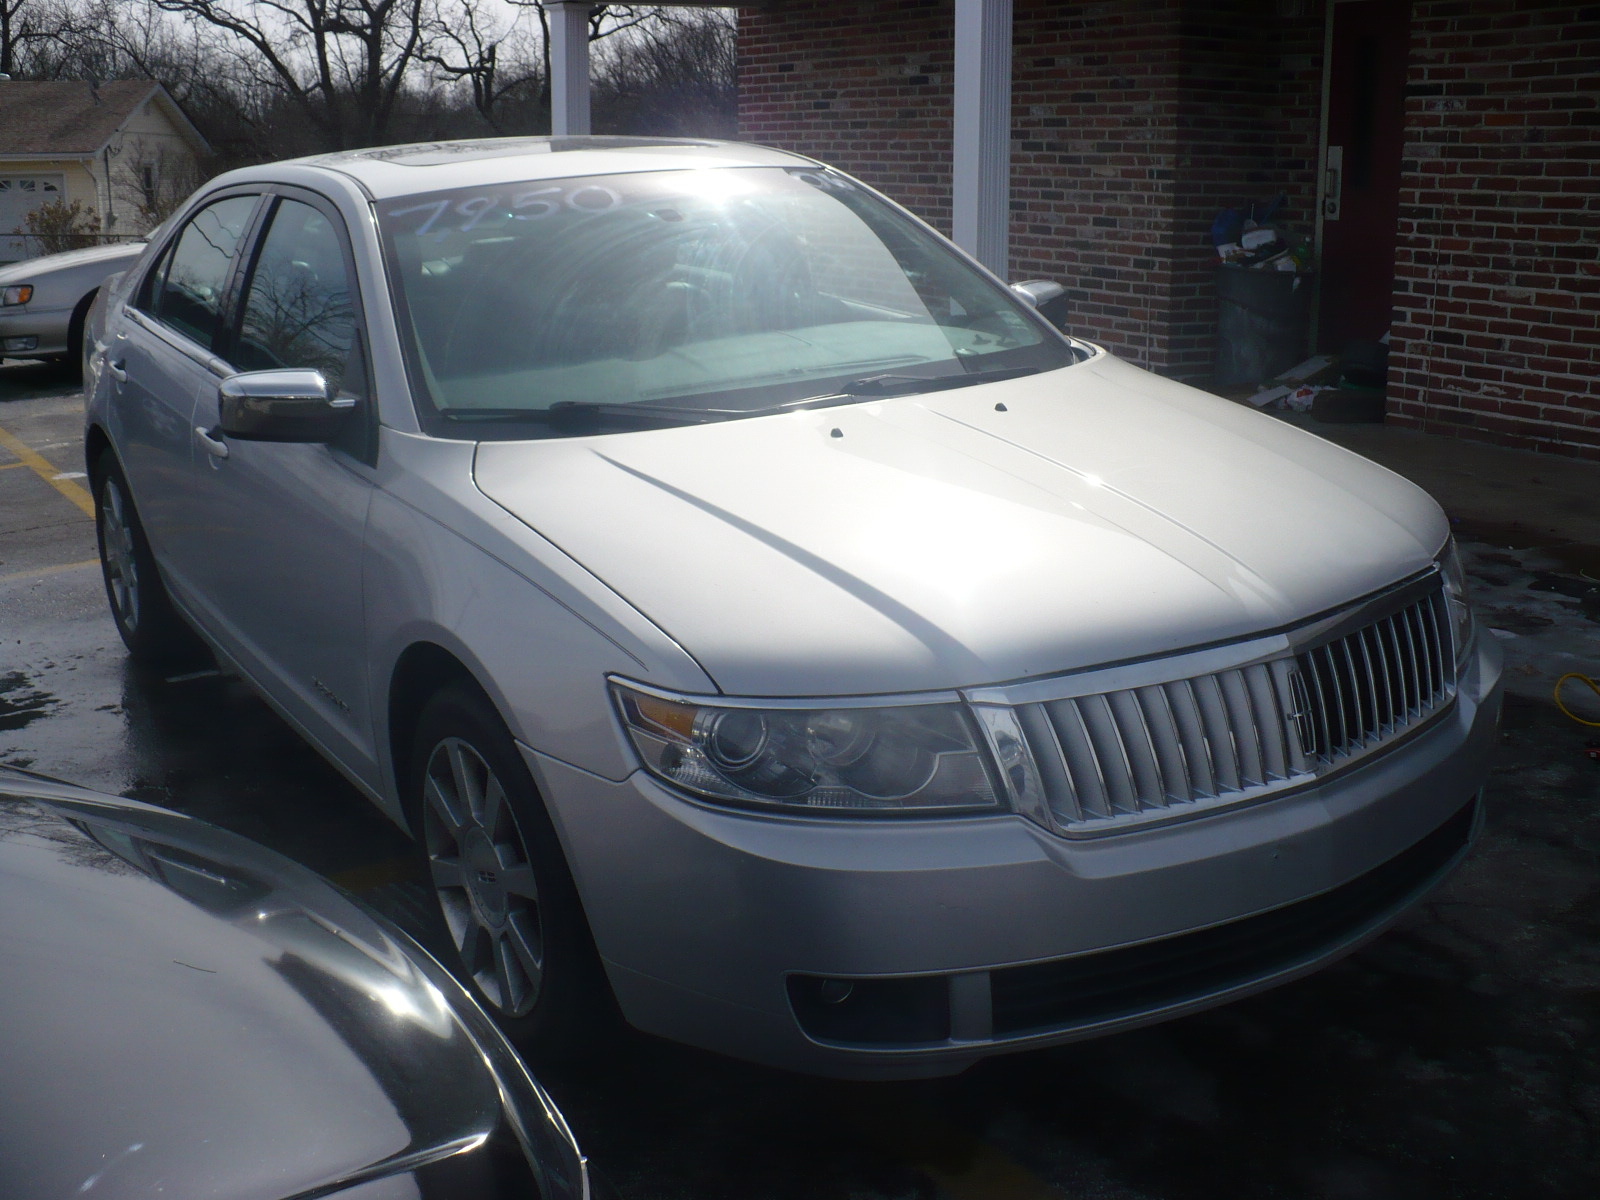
(298, 308)
(188, 294)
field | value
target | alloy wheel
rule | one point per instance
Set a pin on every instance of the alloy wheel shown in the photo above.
(483, 877)
(117, 553)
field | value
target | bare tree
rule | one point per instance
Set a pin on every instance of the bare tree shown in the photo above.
(605, 20)
(266, 79)
(57, 226)
(467, 48)
(675, 75)
(153, 181)
(340, 63)
(23, 24)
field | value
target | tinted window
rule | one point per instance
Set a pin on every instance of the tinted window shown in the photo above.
(189, 294)
(297, 307)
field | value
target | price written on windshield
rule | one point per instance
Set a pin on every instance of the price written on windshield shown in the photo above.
(462, 214)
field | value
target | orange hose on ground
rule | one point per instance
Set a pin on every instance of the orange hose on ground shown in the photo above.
(1595, 687)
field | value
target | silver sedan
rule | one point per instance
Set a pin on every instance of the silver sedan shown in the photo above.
(765, 620)
(43, 301)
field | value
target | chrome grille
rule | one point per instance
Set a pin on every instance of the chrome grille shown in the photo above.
(1367, 685)
(1127, 756)
(1172, 745)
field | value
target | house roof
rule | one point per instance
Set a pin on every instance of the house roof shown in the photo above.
(73, 118)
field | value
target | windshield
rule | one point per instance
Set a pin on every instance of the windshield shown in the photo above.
(692, 295)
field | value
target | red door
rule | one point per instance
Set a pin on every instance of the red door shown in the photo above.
(1361, 178)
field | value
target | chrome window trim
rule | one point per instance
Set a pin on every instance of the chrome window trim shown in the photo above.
(180, 342)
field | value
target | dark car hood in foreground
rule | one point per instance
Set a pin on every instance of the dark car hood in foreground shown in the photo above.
(186, 1014)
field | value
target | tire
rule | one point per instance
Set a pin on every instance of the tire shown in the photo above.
(156, 636)
(512, 927)
(72, 364)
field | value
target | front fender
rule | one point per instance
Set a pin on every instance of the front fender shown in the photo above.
(541, 661)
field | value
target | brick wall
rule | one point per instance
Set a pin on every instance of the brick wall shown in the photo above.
(1133, 123)
(864, 87)
(1497, 300)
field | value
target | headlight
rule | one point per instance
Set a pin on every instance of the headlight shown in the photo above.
(1455, 597)
(922, 758)
(20, 294)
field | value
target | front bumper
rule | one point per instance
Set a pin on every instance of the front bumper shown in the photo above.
(974, 936)
(28, 331)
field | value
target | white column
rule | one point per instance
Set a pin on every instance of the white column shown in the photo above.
(569, 67)
(981, 167)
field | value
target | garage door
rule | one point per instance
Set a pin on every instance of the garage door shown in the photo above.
(20, 195)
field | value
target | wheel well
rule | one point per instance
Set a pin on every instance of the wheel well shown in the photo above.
(423, 669)
(80, 314)
(95, 443)
(75, 326)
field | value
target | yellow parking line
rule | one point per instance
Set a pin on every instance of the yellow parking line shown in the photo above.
(41, 572)
(8, 466)
(30, 458)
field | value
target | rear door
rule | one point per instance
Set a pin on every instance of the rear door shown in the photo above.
(278, 556)
(159, 359)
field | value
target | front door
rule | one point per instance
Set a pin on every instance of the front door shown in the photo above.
(1361, 170)
(281, 555)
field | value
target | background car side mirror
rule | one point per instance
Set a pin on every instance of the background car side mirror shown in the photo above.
(286, 405)
(1048, 296)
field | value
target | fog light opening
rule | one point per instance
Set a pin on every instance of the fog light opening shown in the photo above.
(905, 1011)
(835, 991)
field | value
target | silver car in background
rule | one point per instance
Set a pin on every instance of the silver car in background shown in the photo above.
(44, 301)
(763, 618)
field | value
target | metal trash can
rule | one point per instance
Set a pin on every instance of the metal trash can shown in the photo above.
(1263, 323)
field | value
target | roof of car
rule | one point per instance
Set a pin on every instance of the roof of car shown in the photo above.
(388, 171)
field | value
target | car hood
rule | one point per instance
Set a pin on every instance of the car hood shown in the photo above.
(110, 256)
(184, 1013)
(1089, 515)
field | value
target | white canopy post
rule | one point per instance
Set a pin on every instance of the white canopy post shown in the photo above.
(981, 166)
(569, 67)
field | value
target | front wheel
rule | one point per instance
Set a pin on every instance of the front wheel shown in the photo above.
(512, 919)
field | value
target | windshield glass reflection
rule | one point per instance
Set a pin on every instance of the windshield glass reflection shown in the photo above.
(735, 289)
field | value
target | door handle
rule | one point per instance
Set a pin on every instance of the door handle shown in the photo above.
(214, 445)
(117, 372)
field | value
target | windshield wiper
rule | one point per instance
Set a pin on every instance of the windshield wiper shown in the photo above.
(893, 383)
(582, 412)
(576, 413)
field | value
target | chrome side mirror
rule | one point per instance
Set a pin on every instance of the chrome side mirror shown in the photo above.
(286, 405)
(1046, 295)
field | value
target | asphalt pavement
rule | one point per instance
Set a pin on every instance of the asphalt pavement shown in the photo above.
(1453, 1057)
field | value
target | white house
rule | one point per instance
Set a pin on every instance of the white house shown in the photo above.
(123, 149)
